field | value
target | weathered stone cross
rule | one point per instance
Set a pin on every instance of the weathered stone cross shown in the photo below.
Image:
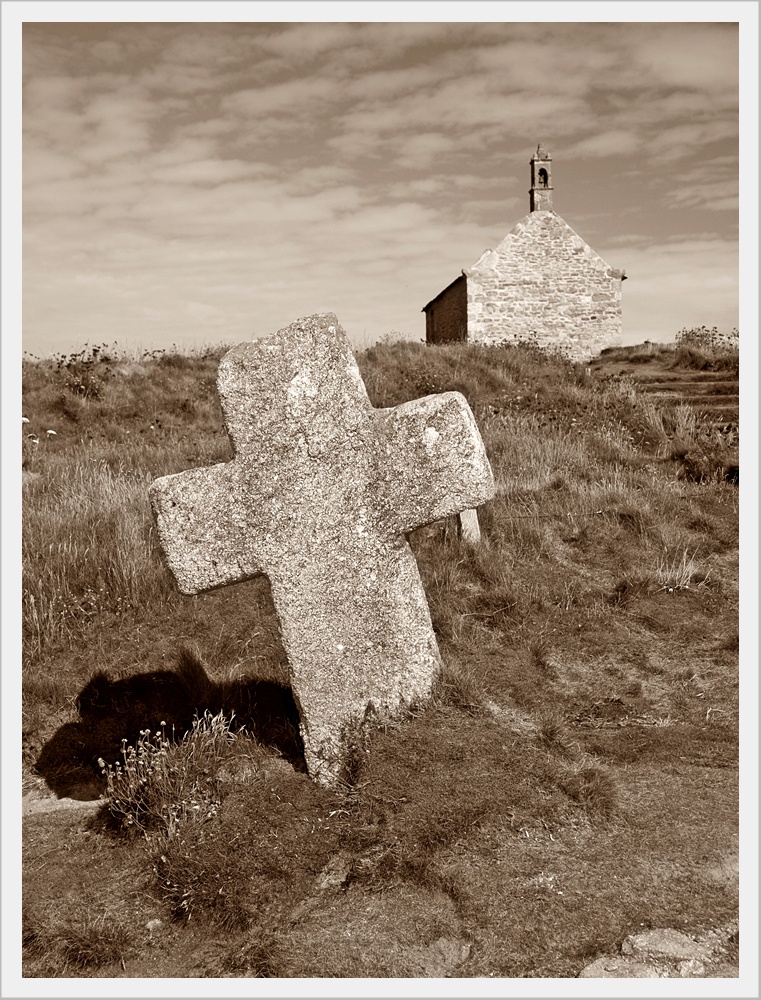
(319, 496)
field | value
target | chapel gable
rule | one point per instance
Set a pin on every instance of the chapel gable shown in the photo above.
(543, 284)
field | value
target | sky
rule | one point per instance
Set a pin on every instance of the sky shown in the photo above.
(195, 183)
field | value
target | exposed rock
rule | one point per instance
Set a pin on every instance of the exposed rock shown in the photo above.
(664, 943)
(692, 968)
(335, 871)
(439, 959)
(33, 802)
(616, 967)
(665, 953)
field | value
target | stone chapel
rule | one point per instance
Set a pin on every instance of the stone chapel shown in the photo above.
(543, 283)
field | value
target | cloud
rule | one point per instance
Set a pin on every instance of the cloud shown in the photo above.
(200, 180)
(421, 150)
(615, 142)
(299, 97)
(319, 177)
(700, 57)
(107, 51)
(678, 141)
(680, 283)
(304, 43)
(709, 184)
(460, 105)
(204, 172)
(43, 164)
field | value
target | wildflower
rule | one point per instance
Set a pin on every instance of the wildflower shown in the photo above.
(25, 420)
(51, 433)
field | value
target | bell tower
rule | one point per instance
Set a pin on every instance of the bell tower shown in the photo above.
(540, 193)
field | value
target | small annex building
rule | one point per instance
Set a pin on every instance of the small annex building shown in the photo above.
(542, 284)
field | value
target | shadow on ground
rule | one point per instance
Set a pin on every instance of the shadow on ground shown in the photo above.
(114, 710)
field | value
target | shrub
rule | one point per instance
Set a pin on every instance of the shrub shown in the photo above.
(703, 338)
(707, 350)
(85, 372)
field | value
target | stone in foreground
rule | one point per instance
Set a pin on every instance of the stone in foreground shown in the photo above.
(664, 943)
(615, 967)
(318, 497)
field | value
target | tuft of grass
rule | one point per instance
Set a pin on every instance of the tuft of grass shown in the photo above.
(677, 570)
(81, 944)
(256, 958)
(88, 547)
(704, 460)
(94, 941)
(201, 878)
(552, 732)
(456, 686)
(541, 657)
(592, 786)
(160, 787)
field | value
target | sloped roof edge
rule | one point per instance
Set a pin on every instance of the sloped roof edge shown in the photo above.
(443, 290)
(528, 221)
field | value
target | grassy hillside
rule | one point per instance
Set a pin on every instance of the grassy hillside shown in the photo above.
(574, 778)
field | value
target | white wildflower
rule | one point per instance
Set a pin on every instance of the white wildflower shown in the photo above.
(51, 433)
(25, 420)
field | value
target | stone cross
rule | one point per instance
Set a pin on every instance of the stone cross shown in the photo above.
(318, 497)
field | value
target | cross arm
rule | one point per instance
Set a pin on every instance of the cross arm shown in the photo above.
(205, 527)
(435, 461)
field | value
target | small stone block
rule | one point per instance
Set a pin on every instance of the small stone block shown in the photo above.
(469, 528)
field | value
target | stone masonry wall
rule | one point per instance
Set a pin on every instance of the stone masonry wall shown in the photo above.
(543, 283)
(446, 317)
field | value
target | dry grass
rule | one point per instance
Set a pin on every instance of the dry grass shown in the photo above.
(85, 943)
(603, 575)
(698, 348)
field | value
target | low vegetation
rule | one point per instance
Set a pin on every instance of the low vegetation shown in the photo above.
(697, 349)
(572, 780)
